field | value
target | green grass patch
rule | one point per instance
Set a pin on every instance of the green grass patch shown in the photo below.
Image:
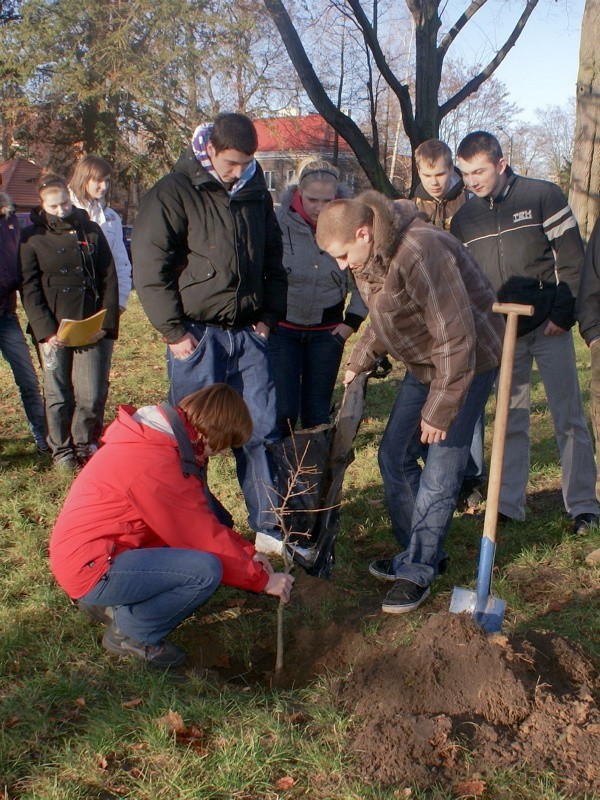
(77, 724)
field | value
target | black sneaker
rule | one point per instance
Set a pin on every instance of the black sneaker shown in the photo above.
(582, 523)
(383, 568)
(404, 596)
(67, 463)
(162, 655)
(469, 497)
(102, 614)
(504, 519)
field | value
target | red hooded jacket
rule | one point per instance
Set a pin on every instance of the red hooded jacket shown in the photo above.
(132, 494)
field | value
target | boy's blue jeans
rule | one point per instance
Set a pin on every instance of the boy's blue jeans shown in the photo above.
(153, 589)
(240, 358)
(15, 350)
(421, 499)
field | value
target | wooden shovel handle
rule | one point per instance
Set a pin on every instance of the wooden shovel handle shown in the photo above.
(513, 311)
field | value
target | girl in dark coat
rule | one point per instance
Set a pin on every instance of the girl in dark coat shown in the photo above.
(68, 273)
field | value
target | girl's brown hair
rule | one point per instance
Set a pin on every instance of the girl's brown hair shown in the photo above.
(88, 167)
(220, 414)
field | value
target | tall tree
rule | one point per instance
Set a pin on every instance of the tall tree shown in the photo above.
(420, 108)
(585, 171)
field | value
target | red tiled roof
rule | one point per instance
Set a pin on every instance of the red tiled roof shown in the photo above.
(297, 134)
(19, 180)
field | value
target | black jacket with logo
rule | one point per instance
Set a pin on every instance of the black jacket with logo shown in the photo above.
(68, 273)
(527, 242)
(203, 255)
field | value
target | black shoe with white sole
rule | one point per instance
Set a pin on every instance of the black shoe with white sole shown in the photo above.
(383, 568)
(404, 596)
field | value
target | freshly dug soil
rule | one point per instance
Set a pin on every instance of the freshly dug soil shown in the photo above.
(509, 703)
(421, 707)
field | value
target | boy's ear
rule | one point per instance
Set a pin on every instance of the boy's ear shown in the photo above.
(364, 234)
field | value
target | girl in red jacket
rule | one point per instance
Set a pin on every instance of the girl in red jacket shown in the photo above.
(137, 542)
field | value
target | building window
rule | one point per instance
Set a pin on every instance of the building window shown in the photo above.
(270, 179)
(350, 181)
(289, 175)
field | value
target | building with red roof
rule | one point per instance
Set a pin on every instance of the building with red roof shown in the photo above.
(20, 181)
(283, 142)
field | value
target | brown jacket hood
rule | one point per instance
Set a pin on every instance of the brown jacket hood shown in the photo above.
(390, 220)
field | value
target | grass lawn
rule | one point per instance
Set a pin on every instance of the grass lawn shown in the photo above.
(78, 724)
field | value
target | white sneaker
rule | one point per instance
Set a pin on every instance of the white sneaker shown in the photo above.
(304, 552)
(268, 545)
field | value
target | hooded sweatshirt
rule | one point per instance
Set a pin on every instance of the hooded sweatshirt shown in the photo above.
(317, 287)
(132, 494)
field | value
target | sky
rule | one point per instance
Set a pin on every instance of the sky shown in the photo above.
(541, 69)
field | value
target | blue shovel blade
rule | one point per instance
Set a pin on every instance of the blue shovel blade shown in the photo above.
(487, 610)
(490, 617)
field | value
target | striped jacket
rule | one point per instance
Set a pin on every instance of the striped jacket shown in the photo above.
(430, 306)
(528, 231)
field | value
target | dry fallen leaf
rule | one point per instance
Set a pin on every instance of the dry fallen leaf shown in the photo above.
(469, 788)
(80, 702)
(286, 783)
(132, 703)
(102, 762)
(172, 721)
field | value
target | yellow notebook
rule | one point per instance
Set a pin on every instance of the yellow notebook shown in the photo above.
(78, 332)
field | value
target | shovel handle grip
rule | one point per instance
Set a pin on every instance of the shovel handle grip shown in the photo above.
(513, 308)
(513, 311)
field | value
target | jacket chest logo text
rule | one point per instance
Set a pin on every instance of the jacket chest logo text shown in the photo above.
(520, 216)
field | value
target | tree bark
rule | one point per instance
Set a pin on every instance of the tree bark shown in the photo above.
(585, 173)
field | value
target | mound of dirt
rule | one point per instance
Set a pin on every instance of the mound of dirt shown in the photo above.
(508, 703)
(451, 707)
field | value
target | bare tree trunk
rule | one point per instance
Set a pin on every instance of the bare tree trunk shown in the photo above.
(585, 173)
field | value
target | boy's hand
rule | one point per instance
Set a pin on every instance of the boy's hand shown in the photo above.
(266, 564)
(431, 435)
(280, 585)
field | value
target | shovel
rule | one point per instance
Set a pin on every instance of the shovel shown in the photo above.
(487, 610)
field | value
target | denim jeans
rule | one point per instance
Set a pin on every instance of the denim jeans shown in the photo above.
(422, 499)
(240, 358)
(476, 472)
(153, 589)
(15, 350)
(305, 365)
(76, 387)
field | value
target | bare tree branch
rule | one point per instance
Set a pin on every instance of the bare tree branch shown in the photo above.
(458, 26)
(345, 126)
(400, 89)
(485, 73)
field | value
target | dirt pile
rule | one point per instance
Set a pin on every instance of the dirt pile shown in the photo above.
(507, 703)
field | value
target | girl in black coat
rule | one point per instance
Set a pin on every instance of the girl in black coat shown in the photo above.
(69, 273)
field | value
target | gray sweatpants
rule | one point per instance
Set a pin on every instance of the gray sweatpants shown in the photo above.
(555, 359)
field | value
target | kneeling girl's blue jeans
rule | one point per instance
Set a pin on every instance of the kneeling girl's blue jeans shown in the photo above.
(154, 589)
